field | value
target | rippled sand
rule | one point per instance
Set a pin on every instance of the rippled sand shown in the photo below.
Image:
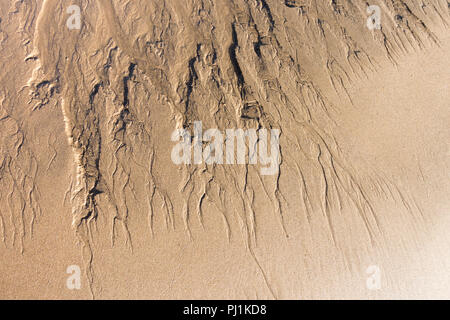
(359, 207)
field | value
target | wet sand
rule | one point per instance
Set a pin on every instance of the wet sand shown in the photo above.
(357, 208)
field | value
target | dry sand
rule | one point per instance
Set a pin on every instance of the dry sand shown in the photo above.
(358, 209)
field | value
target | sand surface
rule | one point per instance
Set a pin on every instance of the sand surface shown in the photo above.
(357, 206)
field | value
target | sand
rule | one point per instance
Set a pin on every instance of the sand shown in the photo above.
(93, 205)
